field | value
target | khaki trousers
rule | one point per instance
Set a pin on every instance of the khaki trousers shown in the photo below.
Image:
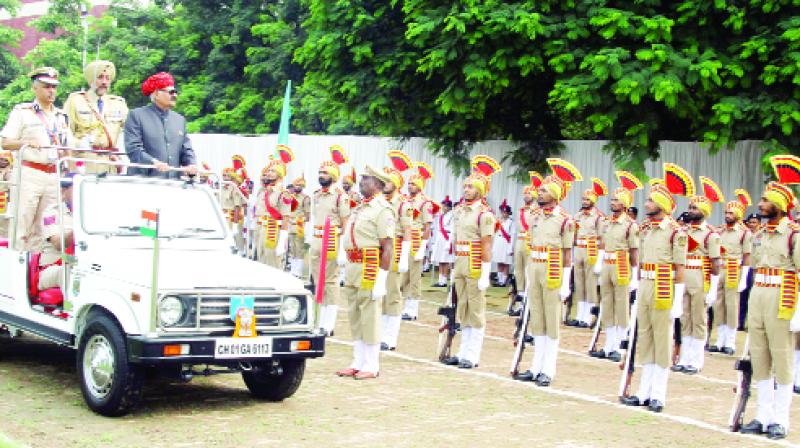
(51, 277)
(37, 193)
(521, 258)
(393, 302)
(771, 342)
(726, 307)
(296, 246)
(332, 289)
(411, 281)
(654, 328)
(693, 320)
(545, 303)
(614, 298)
(363, 312)
(585, 279)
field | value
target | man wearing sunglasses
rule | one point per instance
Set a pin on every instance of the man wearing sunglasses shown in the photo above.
(156, 135)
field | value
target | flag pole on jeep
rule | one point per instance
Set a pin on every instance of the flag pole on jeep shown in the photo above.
(150, 230)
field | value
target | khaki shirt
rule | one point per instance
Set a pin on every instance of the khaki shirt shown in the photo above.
(354, 197)
(588, 223)
(552, 229)
(370, 222)
(51, 226)
(474, 221)
(86, 120)
(771, 247)
(663, 242)
(526, 214)
(232, 197)
(620, 233)
(27, 121)
(424, 205)
(5, 175)
(330, 202)
(403, 213)
(708, 240)
(737, 240)
(298, 216)
(278, 198)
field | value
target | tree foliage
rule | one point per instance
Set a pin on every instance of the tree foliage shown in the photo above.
(9, 37)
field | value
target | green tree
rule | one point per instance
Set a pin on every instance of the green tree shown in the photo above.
(9, 37)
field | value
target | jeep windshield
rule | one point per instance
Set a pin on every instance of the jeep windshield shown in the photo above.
(113, 207)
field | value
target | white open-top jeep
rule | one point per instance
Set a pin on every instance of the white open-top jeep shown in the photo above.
(133, 304)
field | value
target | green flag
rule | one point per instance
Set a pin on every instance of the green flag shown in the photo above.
(286, 115)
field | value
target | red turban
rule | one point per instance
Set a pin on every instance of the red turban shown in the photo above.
(156, 82)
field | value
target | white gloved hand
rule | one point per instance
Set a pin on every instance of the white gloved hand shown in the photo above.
(341, 256)
(283, 242)
(483, 281)
(677, 301)
(711, 296)
(423, 246)
(405, 252)
(565, 291)
(379, 289)
(634, 283)
(743, 278)
(598, 265)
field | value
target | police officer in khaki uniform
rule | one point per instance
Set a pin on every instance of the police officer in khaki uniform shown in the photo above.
(659, 300)
(36, 129)
(402, 212)
(297, 226)
(233, 204)
(51, 267)
(702, 281)
(424, 210)
(475, 226)
(522, 250)
(96, 117)
(773, 312)
(737, 240)
(348, 180)
(6, 159)
(587, 221)
(367, 243)
(274, 211)
(328, 201)
(618, 267)
(552, 233)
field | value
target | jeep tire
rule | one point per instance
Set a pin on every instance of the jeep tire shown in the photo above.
(265, 385)
(110, 385)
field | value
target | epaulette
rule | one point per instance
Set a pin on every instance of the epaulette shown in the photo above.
(22, 106)
(115, 97)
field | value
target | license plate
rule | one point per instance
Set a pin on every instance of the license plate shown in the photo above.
(228, 348)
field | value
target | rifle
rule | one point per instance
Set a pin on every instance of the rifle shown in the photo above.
(742, 389)
(676, 349)
(568, 303)
(627, 365)
(519, 337)
(513, 297)
(596, 333)
(709, 324)
(449, 324)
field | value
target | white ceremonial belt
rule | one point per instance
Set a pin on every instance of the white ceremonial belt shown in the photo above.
(651, 275)
(768, 279)
(537, 255)
(694, 262)
(611, 256)
(462, 247)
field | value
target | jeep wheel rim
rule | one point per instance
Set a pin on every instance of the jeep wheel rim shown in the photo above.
(98, 366)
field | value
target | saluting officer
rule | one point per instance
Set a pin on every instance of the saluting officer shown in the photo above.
(38, 127)
(660, 298)
(475, 227)
(328, 201)
(773, 312)
(233, 204)
(618, 267)
(274, 213)
(97, 117)
(552, 233)
(737, 240)
(424, 210)
(367, 243)
(297, 223)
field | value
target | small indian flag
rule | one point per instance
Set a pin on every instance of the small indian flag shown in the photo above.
(150, 229)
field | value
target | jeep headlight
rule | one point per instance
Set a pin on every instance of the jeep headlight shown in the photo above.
(170, 310)
(291, 310)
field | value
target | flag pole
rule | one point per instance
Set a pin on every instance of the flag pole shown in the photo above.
(154, 282)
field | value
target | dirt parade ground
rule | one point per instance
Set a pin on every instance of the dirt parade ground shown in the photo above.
(415, 402)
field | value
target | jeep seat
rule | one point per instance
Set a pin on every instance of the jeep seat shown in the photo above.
(52, 297)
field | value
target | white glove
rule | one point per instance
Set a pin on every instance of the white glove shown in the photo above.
(565, 291)
(423, 246)
(634, 283)
(341, 256)
(711, 297)
(598, 265)
(677, 301)
(283, 241)
(743, 278)
(483, 282)
(405, 252)
(379, 289)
